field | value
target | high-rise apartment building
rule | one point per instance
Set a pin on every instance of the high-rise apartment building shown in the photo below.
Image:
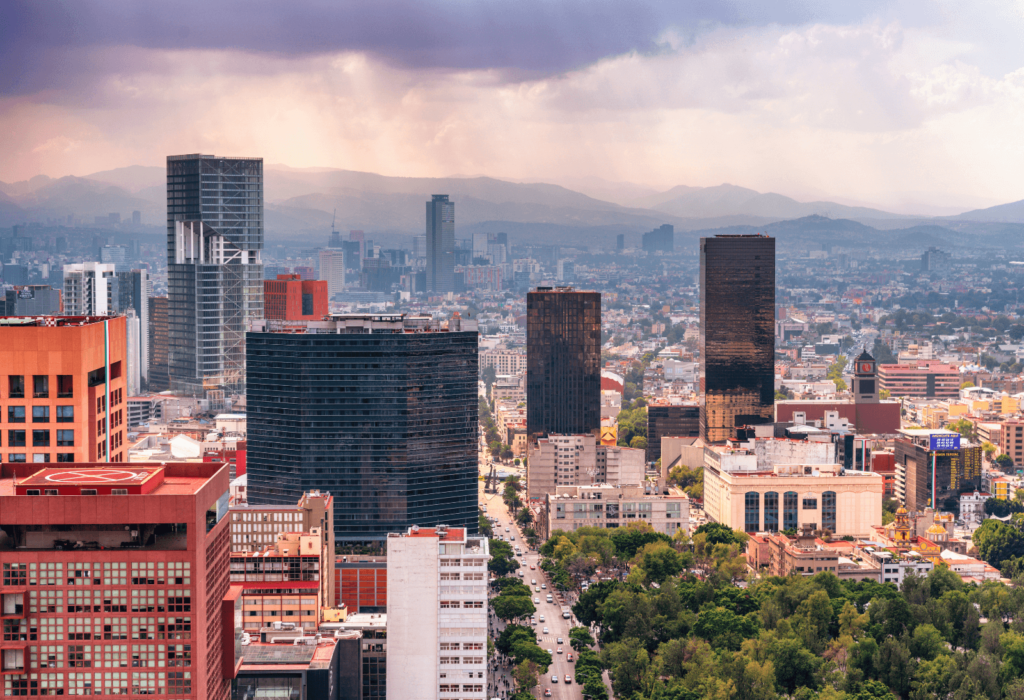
(574, 460)
(660, 240)
(55, 390)
(159, 380)
(437, 614)
(90, 289)
(379, 410)
(332, 270)
(440, 244)
(113, 579)
(133, 290)
(290, 298)
(214, 268)
(737, 342)
(563, 361)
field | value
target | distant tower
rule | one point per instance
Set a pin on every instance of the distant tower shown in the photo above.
(620, 242)
(865, 383)
(737, 334)
(440, 244)
(901, 527)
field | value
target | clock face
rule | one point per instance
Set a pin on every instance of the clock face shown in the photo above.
(866, 367)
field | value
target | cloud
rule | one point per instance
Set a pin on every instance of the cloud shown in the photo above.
(46, 44)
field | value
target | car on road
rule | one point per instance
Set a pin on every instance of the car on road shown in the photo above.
(560, 641)
(511, 538)
(554, 679)
(533, 566)
(559, 650)
(541, 618)
(568, 657)
(568, 678)
(546, 631)
(533, 582)
(537, 589)
(547, 692)
(536, 601)
(543, 585)
(506, 529)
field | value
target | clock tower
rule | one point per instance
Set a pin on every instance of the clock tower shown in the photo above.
(865, 379)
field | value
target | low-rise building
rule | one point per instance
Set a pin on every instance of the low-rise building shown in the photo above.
(972, 506)
(574, 460)
(603, 505)
(297, 670)
(794, 496)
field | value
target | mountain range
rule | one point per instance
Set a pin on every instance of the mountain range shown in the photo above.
(301, 202)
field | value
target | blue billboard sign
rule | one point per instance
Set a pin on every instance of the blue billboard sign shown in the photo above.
(946, 441)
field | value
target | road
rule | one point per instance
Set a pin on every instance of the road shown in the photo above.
(557, 626)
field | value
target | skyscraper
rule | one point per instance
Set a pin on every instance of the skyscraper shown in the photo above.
(214, 268)
(440, 244)
(90, 289)
(563, 361)
(379, 410)
(661, 239)
(133, 291)
(737, 343)
(158, 377)
(332, 270)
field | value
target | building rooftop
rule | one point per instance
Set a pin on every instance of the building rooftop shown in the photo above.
(51, 321)
(172, 479)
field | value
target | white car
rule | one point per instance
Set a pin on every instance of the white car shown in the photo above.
(559, 650)
(533, 582)
(560, 641)
(543, 585)
(506, 529)
(541, 618)
(554, 679)
(536, 601)
(546, 631)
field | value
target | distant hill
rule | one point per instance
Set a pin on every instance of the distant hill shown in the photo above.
(1006, 213)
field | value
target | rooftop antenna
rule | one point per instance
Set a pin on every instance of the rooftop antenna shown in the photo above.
(334, 218)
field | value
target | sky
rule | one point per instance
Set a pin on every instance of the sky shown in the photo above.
(915, 106)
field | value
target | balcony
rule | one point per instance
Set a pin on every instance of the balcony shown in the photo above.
(12, 660)
(12, 605)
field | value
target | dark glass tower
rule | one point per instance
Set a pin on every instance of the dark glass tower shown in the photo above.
(737, 340)
(440, 244)
(563, 361)
(214, 268)
(379, 410)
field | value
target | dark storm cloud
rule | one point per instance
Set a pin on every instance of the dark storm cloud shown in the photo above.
(45, 44)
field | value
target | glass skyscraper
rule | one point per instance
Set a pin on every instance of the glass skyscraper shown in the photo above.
(737, 334)
(379, 410)
(440, 244)
(214, 268)
(563, 361)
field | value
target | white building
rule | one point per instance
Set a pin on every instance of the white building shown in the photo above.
(573, 507)
(90, 289)
(437, 614)
(577, 460)
(972, 506)
(332, 269)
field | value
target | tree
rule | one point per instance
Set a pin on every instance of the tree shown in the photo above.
(835, 372)
(526, 675)
(659, 561)
(884, 394)
(966, 385)
(964, 427)
(927, 642)
(639, 442)
(1004, 461)
(997, 541)
(716, 533)
(895, 667)
(524, 517)
(527, 650)
(1001, 507)
(580, 639)
(988, 448)
(512, 634)
(512, 607)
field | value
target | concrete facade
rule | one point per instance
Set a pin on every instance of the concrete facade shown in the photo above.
(437, 636)
(577, 460)
(573, 507)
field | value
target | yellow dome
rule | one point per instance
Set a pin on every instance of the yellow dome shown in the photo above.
(936, 529)
(901, 511)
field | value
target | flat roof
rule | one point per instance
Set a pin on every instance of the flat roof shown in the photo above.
(92, 476)
(51, 321)
(179, 478)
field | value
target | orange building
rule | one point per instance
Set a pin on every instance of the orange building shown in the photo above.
(61, 372)
(290, 298)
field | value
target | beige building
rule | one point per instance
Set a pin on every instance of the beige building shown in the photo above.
(504, 361)
(256, 527)
(573, 507)
(577, 460)
(794, 496)
(437, 614)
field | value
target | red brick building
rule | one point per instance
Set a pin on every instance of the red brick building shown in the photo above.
(291, 298)
(57, 371)
(361, 583)
(113, 580)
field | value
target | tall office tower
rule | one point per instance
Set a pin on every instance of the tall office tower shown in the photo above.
(63, 373)
(419, 246)
(90, 289)
(620, 242)
(737, 342)
(159, 380)
(563, 361)
(440, 244)
(332, 270)
(155, 542)
(360, 238)
(437, 639)
(214, 268)
(502, 239)
(133, 291)
(136, 217)
(661, 239)
(379, 410)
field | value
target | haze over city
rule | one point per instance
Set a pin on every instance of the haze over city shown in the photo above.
(913, 107)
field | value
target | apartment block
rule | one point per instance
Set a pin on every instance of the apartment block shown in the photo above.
(920, 379)
(574, 460)
(65, 389)
(602, 505)
(437, 614)
(509, 362)
(113, 580)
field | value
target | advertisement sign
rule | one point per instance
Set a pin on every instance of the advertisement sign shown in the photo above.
(946, 441)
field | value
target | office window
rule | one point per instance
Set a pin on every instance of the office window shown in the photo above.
(16, 457)
(810, 504)
(828, 511)
(789, 517)
(40, 386)
(40, 438)
(16, 386)
(771, 511)
(65, 386)
(752, 519)
(15, 438)
(65, 456)
(15, 414)
(65, 438)
(41, 457)
(40, 414)
(65, 414)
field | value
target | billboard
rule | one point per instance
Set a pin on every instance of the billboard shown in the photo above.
(945, 441)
